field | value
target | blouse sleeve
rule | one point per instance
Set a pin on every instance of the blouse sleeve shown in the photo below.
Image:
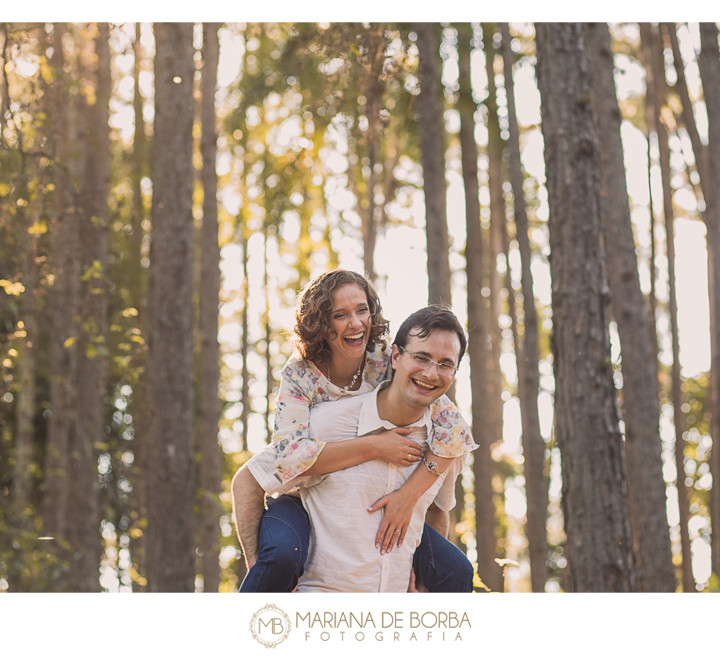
(293, 450)
(451, 436)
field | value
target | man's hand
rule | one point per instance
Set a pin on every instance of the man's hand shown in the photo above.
(411, 586)
(248, 500)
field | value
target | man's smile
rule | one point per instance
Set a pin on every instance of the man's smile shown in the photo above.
(423, 385)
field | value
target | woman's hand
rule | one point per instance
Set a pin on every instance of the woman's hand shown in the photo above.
(399, 507)
(394, 447)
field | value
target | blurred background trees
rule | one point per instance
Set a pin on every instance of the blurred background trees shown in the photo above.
(166, 189)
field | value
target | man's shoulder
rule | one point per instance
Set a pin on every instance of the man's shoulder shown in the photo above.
(337, 420)
(341, 406)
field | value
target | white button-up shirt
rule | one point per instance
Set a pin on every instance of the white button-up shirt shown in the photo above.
(343, 556)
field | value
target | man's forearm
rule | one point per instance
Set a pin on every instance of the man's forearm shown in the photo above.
(248, 499)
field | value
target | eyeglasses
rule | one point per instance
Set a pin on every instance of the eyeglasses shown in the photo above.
(444, 369)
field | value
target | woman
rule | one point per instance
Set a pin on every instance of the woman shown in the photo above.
(341, 350)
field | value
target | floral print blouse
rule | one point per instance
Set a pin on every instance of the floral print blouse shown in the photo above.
(302, 385)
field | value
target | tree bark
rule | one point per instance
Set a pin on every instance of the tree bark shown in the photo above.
(641, 409)
(65, 245)
(594, 485)
(268, 229)
(139, 168)
(709, 63)
(478, 345)
(92, 350)
(494, 243)
(373, 90)
(655, 99)
(209, 407)
(432, 130)
(25, 405)
(170, 534)
(527, 351)
(681, 88)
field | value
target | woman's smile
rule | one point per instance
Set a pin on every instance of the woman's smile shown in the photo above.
(355, 339)
(349, 322)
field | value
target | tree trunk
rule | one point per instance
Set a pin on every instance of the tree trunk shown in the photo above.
(373, 93)
(641, 409)
(242, 236)
(139, 167)
(94, 183)
(527, 352)
(246, 402)
(65, 245)
(170, 534)
(688, 116)
(652, 265)
(478, 346)
(209, 408)
(594, 484)
(655, 99)
(25, 404)
(269, 381)
(432, 130)
(709, 63)
(494, 244)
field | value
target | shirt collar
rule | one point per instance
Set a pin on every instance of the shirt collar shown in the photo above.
(370, 420)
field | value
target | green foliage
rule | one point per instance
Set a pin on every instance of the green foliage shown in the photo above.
(29, 562)
(713, 585)
(315, 108)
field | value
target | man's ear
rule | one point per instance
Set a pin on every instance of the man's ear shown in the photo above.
(395, 356)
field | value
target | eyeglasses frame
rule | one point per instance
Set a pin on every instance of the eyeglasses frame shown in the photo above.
(417, 357)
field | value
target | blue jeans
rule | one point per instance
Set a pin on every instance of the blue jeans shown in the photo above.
(440, 566)
(282, 547)
(284, 537)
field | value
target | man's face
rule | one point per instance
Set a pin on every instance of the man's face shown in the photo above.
(418, 384)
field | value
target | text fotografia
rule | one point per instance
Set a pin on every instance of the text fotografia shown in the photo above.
(413, 626)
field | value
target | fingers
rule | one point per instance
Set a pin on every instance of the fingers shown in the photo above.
(380, 536)
(405, 451)
(391, 536)
(401, 537)
(405, 457)
(378, 504)
(387, 535)
(415, 450)
(414, 453)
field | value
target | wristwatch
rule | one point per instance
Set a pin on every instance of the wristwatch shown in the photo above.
(431, 466)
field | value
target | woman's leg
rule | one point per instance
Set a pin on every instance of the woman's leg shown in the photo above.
(282, 547)
(440, 566)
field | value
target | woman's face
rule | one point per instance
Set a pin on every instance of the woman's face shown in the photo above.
(349, 323)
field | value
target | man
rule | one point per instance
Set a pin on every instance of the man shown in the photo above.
(344, 554)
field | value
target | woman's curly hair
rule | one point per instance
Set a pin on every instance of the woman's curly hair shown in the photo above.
(313, 308)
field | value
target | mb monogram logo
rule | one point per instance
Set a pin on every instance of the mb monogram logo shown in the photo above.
(270, 625)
